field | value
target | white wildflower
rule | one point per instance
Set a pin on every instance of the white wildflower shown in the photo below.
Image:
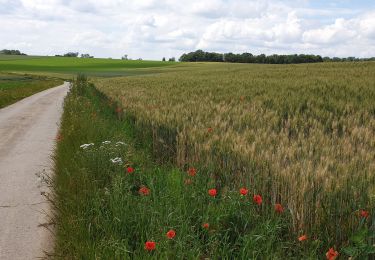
(106, 142)
(117, 160)
(85, 146)
(120, 143)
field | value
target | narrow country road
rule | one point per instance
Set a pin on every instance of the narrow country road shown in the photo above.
(27, 139)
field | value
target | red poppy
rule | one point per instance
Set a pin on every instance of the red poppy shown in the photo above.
(130, 169)
(192, 171)
(258, 199)
(206, 226)
(244, 191)
(118, 110)
(150, 245)
(144, 191)
(364, 213)
(171, 234)
(210, 129)
(302, 238)
(279, 208)
(188, 181)
(212, 192)
(332, 254)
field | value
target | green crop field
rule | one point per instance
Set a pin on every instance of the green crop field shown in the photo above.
(248, 161)
(72, 66)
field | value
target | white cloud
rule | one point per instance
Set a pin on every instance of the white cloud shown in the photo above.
(153, 29)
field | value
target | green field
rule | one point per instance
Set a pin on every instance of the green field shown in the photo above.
(14, 87)
(71, 66)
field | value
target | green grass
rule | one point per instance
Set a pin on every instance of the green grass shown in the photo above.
(73, 66)
(15, 87)
(101, 215)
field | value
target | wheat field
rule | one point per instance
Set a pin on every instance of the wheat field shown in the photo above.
(300, 135)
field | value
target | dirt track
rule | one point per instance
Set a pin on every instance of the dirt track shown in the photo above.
(27, 138)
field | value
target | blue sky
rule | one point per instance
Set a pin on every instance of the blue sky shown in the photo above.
(153, 29)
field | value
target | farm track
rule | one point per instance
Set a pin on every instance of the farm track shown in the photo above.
(27, 138)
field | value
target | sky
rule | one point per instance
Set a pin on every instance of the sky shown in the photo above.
(152, 29)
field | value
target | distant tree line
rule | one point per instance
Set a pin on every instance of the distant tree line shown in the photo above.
(200, 55)
(11, 52)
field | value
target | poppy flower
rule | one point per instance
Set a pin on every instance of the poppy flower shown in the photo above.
(212, 192)
(331, 254)
(257, 199)
(364, 213)
(150, 245)
(302, 238)
(206, 226)
(188, 181)
(130, 169)
(171, 234)
(118, 110)
(144, 191)
(279, 208)
(244, 191)
(192, 171)
(210, 129)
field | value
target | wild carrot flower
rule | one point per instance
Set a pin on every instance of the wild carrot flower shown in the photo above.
(364, 213)
(257, 199)
(130, 169)
(212, 192)
(331, 254)
(171, 234)
(150, 245)
(206, 226)
(302, 238)
(279, 208)
(144, 191)
(192, 171)
(244, 191)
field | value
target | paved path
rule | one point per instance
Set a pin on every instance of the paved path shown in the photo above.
(27, 139)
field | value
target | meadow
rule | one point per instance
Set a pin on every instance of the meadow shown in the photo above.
(67, 67)
(14, 87)
(301, 136)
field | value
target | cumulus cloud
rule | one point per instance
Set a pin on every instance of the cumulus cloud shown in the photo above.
(153, 29)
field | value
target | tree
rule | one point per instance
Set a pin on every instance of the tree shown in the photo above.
(86, 56)
(125, 57)
(173, 59)
(163, 59)
(71, 54)
(11, 52)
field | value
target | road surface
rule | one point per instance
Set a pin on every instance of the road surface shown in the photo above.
(27, 139)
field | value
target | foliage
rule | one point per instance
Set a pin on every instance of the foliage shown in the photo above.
(11, 52)
(361, 243)
(200, 55)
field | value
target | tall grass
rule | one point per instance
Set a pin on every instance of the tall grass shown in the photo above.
(300, 135)
(101, 213)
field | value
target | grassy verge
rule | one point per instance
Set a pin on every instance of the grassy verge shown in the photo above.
(15, 87)
(105, 210)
